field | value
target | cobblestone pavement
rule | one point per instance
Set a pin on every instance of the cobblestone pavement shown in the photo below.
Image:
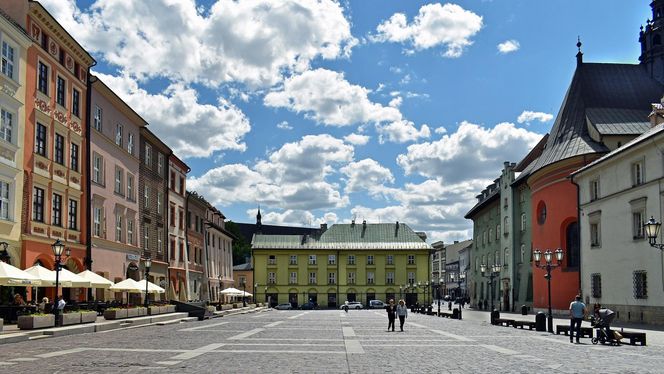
(325, 342)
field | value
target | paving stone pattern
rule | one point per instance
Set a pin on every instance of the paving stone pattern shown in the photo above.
(326, 342)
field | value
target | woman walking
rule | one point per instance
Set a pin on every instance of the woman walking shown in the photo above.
(402, 313)
(391, 314)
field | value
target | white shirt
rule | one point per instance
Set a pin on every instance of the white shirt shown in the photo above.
(61, 304)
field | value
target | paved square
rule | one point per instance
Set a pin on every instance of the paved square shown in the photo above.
(325, 342)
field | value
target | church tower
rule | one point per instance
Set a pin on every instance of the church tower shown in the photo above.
(651, 39)
(259, 224)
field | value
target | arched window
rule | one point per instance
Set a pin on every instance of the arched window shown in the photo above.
(541, 212)
(572, 243)
(523, 252)
(506, 226)
(496, 257)
(507, 257)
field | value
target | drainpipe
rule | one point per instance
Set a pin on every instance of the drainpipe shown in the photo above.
(88, 194)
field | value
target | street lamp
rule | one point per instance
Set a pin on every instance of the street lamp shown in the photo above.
(244, 293)
(440, 293)
(495, 271)
(548, 257)
(147, 263)
(256, 293)
(58, 247)
(652, 228)
(462, 280)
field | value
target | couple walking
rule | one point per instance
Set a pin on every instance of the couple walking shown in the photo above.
(396, 310)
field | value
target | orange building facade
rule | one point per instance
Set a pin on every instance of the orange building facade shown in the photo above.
(55, 149)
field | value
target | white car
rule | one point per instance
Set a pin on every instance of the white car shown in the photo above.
(352, 305)
(377, 304)
(285, 306)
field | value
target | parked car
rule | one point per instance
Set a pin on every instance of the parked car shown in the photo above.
(308, 306)
(285, 306)
(352, 305)
(376, 304)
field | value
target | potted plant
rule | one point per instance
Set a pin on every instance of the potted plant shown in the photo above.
(69, 318)
(168, 308)
(88, 316)
(153, 310)
(115, 313)
(132, 312)
(142, 311)
(36, 321)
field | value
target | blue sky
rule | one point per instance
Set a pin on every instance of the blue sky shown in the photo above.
(324, 111)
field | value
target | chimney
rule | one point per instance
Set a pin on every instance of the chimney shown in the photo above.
(352, 223)
(17, 10)
(323, 227)
(396, 230)
(456, 242)
(364, 228)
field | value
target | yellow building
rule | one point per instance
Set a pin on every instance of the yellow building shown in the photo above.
(348, 262)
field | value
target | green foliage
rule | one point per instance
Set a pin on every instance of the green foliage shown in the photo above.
(241, 248)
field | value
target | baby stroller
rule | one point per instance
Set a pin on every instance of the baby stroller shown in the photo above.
(602, 323)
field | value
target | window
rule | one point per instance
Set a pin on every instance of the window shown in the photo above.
(130, 187)
(172, 215)
(8, 60)
(522, 196)
(181, 218)
(59, 149)
(73, 216)
(331, 278)
(97, 118)
(293, 277)
(541, 212)
(293, 260)
(594, 235)
(118, 228)
(351, 259)
(160, 164)
(351, 277)
(96, 221)
(506, 225)
(506, 257)
(160, 240)
(146, 197)
(44, 41)
(42, 78)
(523, 221)
(146, 238)
(6, 125)
(38, 205)
(130, 143)
(40, 140)
(637, 222)
(4, 200)
(411, 259)
(370, 260)
(638, 177)
(271, 278)
(312, 277)
(389, 279)
(312, 259)
(118, 134)
(57, 210)
(75, 102)
(160, 198)
(390, 259)
(594, 189)
(640, 284)
(490, 235)
(497, 232)
(523, 253)
(370, 277)
(596, 285)
(411, 277)
(119, 185)
(484, 237)
(148, 155)
(73, 156)
(272, 260)
(60, 89)
(331, 259)
(182, 186)
(97, 169)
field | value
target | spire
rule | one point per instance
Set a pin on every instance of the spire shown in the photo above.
(579, 55)
(259, 224)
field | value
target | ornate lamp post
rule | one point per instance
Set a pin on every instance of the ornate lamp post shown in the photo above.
(256, 293)
(548, 257)
(58, 248)
(244, 293)
(652, 228)
(495, 271)
(147, 263)
(441, 282)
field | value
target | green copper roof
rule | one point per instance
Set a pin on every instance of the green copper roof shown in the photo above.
(348, 236)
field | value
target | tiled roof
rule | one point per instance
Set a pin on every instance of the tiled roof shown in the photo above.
(348, 236)
(243, 267)
(594, 85)
(618, 121)
(247, 230)
(492, 197)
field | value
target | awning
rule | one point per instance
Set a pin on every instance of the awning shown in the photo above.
(96, 280)
(74, 279)
(152, 288)
(127, 285)
(47, 277)
(13, 276)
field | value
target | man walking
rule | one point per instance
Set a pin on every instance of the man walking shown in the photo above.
(577, 311)
(391, 314)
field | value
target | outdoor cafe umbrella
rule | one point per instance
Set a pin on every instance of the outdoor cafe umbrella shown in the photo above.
(71, 280)
(13, 276)
(46, 276)
(231, 292)
(152, 288)
(96, 280)
(128, 285)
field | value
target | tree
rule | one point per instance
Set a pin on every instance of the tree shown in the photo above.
(241, 246)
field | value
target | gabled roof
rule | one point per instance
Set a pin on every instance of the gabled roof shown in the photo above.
(596, 85)
(495, 194)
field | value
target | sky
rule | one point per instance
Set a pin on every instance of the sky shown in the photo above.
(323, 111)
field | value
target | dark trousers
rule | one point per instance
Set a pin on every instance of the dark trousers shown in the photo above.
(575, 325)
(390, 322)
(402, 319)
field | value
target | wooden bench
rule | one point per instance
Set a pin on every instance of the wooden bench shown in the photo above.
(521, 324)
(585, 331)
(504, 321)
(634, 337)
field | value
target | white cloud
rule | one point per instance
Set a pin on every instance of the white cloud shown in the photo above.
(508, 46)
(528, 116)
(284, 125)
(190, 128)
(357, 139)
(440, 130)
(396, 102)
(249, 41)
(472, 152)
(292, 217)
(366, 175)
(401, 132)
(447, 25)
(294, 177)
